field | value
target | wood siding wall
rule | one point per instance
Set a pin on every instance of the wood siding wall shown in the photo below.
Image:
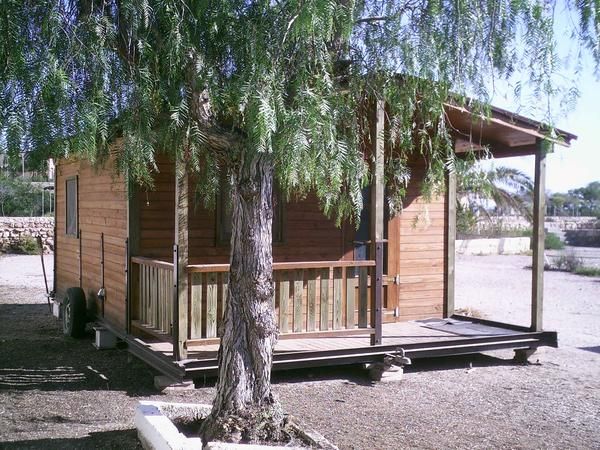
(417, 252)
(307, 234)
(102, 208)
(157, 214)
(415, 241)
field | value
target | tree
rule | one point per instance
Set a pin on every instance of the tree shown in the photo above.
(581, 201)
(257, 91)
(507, 188)
(18, 198)
(587, 199)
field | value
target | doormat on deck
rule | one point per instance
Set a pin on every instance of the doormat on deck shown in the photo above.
(463, 327)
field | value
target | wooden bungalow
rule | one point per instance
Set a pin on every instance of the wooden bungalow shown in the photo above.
(155, 264)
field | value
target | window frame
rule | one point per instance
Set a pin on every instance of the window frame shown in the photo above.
(68, 230)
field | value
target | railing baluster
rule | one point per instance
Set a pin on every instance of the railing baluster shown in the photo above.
(142, 291)
(337, 298)
(284, 297)
(156, 297)
(298, 291)
(196, 316)
(166, 303)
(211, 305)
(225, 291)
(363, 297)
(324, 316)
(169, 298)
(311, 300)
(350, 296)
(148, 300)
(161, 301)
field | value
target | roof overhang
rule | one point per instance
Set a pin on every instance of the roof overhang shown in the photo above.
(501, 132)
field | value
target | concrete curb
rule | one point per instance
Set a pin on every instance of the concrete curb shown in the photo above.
(156, 430)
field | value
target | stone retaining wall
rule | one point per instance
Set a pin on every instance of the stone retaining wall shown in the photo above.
(14, 229)
(583, 238)
(572, 223)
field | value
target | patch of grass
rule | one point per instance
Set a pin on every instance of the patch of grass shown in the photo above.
(553, 242)
(26, 245)
(588, 271)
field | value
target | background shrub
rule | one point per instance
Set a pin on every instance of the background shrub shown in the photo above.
(568, 262)
(553, 242)
(26, 245)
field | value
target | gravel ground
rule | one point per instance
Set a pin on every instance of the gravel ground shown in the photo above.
(58, 393)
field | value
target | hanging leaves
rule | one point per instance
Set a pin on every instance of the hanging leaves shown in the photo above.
(212, 81)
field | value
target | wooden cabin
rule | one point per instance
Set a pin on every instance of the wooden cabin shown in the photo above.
(341, 295)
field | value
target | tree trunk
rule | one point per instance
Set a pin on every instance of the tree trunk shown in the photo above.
(245, 408)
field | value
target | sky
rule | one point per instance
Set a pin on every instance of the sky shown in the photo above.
(579, 165)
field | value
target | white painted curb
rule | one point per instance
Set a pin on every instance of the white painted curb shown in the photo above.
(156, 430)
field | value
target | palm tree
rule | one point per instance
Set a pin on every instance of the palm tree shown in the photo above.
(481, 192)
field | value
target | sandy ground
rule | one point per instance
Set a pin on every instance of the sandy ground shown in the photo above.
(58, 393)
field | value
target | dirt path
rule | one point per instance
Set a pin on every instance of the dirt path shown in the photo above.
(57, 393)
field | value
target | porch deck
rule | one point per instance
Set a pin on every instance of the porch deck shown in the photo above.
(416, 339)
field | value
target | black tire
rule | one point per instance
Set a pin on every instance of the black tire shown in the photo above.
(74, 313)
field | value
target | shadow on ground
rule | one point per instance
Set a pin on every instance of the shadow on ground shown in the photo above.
(117, 439)
(36, 355)
(40, 357)
(591, 349)
(357, 374)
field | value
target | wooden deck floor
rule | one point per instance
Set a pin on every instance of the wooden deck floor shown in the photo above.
(400, 333)
(416, 338)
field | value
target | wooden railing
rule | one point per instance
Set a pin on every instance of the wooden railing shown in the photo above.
(309, 297)
(152, 283)
(319, 296)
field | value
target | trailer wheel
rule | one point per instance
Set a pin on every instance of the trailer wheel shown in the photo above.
(74, 313)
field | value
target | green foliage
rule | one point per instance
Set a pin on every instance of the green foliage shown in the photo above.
(466, 221)
(19, 198)
(553, 242)
(26, 245)
(506, 188)
(568, 262)
(217, 84)
(584, 201)
(588, 271)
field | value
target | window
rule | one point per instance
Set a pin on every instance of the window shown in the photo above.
(224, 211)
(71, 206)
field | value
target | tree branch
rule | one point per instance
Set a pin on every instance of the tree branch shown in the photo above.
(374, 19)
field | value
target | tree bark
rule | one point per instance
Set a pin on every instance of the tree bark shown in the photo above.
(244, 407)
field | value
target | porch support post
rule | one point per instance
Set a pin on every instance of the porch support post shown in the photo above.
(377, 205)
(133, 245)
(180, 262)
(539, 205)
(450, 243)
